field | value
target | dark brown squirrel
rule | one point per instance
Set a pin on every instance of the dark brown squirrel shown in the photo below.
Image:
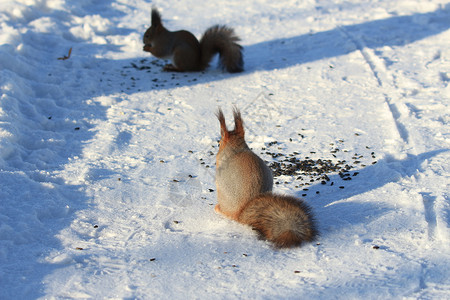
(187, 53)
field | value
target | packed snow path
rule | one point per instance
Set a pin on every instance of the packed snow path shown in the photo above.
(107, 163)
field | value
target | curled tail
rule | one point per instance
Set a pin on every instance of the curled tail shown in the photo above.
(222, 40)
(284, 220)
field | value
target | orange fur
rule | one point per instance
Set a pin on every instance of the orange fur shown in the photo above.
(244, 185)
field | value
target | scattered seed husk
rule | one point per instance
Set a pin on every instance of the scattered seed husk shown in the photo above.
(65, 57)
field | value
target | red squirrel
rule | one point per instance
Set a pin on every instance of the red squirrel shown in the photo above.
(187, 53)
(244, 192)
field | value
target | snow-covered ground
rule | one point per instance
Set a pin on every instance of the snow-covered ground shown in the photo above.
(107, 163)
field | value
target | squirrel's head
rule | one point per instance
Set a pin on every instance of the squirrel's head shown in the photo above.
(155, 28)
(233, 138)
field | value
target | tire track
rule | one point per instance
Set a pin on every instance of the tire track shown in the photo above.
(385, 82)
(398, 110)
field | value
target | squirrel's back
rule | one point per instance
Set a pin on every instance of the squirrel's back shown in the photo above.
(240, 177)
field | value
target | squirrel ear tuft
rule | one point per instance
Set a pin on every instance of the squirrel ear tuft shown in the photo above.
(223, 126)
(238, 123)
(156, 17)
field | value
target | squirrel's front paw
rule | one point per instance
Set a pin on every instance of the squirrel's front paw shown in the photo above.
(147, 48)
(170, 68)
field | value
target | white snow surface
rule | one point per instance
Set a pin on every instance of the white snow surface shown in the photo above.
(107, 163)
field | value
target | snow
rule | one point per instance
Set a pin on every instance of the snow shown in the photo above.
(107, 163)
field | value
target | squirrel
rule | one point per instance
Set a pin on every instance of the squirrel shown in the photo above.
(244, 192)
(187, 53)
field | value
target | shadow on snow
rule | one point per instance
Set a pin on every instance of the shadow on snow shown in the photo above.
(133, 75)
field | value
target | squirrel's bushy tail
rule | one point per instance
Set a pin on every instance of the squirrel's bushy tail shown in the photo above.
(284, 220)
(222, 40)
